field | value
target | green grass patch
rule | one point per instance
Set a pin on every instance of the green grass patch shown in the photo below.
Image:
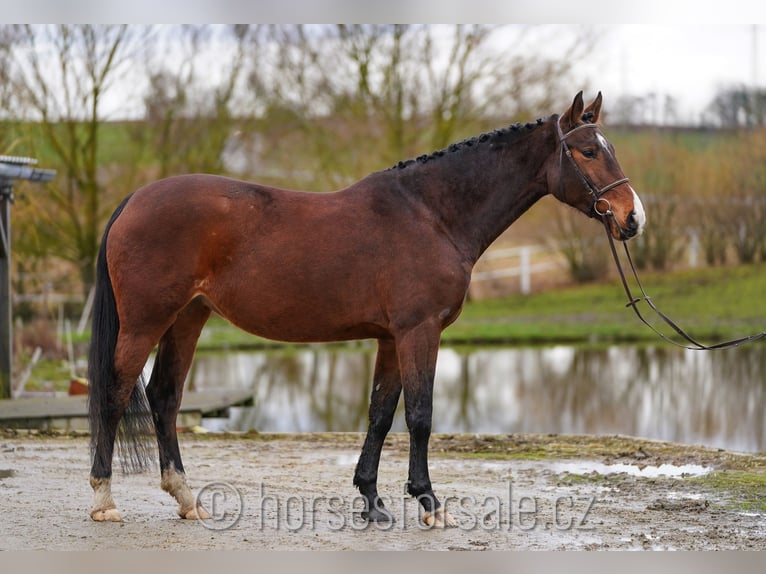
(604, 448)
(220, 334)
(527, 454)
(49, 375)
(744, 490)
(590, 478)
(711, 304)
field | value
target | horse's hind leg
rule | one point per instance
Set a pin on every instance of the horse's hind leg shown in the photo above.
(129, 359)
(165, 389)
(104, 508)
(386, 388)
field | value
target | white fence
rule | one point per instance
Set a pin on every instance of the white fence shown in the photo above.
(520, 265)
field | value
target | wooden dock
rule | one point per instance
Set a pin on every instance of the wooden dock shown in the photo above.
(70, 413)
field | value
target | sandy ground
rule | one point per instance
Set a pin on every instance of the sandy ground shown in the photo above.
(295, 492)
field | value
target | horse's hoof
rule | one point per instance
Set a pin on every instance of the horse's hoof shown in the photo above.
(106, 515)
(379, 514)
(440, 518)
(195, 514)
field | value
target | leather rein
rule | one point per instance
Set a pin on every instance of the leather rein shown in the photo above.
(596, 194)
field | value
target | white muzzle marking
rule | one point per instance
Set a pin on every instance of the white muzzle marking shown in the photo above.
(640, 214)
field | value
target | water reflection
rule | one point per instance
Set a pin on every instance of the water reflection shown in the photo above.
(665, 393)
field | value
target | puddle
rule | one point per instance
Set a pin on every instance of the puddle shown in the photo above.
(664, 470)
(685, 495)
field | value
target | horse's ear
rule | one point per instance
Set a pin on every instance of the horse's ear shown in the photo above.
(594, 109)
(571, 117)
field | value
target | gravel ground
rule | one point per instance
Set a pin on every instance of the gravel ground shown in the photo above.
(295, 492)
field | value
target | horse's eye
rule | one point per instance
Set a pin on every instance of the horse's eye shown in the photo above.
(589, 153)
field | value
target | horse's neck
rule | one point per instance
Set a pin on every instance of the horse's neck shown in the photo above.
(478, 193)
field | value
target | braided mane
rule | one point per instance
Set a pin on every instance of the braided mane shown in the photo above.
(500, 136)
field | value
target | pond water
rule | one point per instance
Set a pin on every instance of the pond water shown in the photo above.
(710, 398)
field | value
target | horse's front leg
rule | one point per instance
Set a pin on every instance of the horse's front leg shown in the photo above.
(386, 389)
(417, 350)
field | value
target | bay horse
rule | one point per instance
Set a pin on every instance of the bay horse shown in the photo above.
(387, 258)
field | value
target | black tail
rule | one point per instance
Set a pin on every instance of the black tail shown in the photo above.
(135, 432)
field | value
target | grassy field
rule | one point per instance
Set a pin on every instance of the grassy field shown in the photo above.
(710, 303)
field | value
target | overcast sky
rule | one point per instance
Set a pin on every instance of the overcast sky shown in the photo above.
(682, 48)
(688, 62)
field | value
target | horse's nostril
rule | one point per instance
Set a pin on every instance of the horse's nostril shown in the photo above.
(631, 221)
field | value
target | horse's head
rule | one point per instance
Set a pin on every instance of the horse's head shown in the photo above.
(584, 172)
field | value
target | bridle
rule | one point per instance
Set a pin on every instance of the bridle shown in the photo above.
(592, 188)
(597, 193)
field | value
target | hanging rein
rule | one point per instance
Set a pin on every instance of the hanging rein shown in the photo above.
(605, 213)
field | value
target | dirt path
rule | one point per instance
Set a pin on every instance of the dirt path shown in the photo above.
(295, 492)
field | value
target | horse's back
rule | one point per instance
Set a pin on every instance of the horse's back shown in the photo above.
(215, 210)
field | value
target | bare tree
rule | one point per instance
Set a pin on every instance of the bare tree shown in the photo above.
(362, 97)
(745, 206)
(190, 116)
(58, 77)
(739, 106)
(7, 38)
(661, 169)
(581, 244)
